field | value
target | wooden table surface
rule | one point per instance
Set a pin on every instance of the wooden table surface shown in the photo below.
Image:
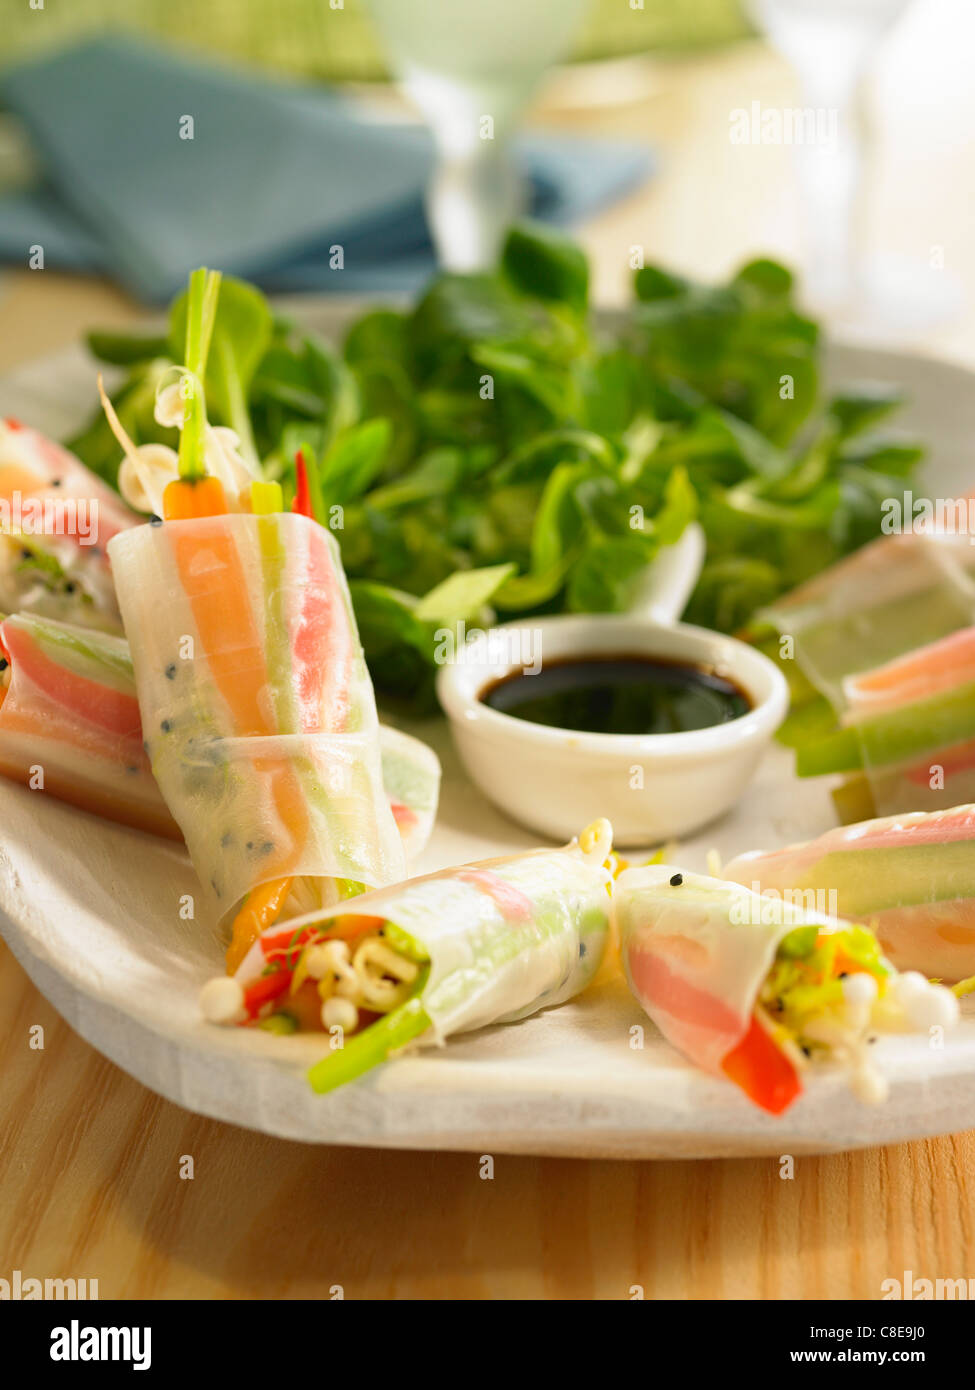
(90, 1160)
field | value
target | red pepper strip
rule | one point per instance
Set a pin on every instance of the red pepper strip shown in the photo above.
(302, 497)
(263, 990)
(404, 816)
(762, 1070)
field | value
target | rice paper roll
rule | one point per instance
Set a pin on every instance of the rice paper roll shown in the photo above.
(257, 709)
(483, 943)
(898, 593)
(68, 706)
(910, 878)
(57, 519)
(755, 988)
(70, 723)
(888, 639)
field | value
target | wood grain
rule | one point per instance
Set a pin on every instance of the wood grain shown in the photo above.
(89, 1176)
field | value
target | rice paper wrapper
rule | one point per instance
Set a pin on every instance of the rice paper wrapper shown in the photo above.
(257, 708)
(506, 937)
(888, 637)
(910, 878)
(70, 726)
(70, 723)
(411, 777)
(696, 954)
(54, 507)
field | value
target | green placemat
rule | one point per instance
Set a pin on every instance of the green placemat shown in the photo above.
(309, 38)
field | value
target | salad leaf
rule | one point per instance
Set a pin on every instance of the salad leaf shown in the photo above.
(494, 444)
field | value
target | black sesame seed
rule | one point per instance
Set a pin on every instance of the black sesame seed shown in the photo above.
(267, 847)
(677, 880)
(806, 1052)
(166, 725)
(171, 671)
(843, 974)
(55, 482)
(155, 520)
(250, 844)
(4, 663)
(70, 587)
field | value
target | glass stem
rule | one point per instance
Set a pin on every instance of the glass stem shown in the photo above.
(831, 171)
(473, 196)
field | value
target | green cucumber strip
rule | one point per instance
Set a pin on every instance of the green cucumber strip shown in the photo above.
(372, 1046)
(813, 719)
(875, 879)
(896, 735)
(80, 653)
(404, 944)
(919, 728)
(839, 752)
(277, 648)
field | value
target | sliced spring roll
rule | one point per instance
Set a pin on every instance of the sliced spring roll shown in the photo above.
(57, 520)
(491, 942)
(68, 706)
(910, 878)
(257, 709)
(757, 989)
(887, 638)
(70, 725)
(898, 593)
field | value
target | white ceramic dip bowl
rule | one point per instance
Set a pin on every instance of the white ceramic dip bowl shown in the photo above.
(651, 786)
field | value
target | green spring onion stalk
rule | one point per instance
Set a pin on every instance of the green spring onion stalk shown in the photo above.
(373, 1045)
(201, 310)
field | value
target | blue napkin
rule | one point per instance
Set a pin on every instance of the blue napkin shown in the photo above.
(275, 174)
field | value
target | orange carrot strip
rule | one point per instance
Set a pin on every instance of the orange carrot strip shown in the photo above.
(185, 499)
(260, 909)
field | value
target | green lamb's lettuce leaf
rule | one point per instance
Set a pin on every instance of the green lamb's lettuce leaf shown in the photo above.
(543, 264)
(492, 429)
(462, 597)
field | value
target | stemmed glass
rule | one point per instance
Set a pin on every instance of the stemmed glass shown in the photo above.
(831, 44)
(470, 66)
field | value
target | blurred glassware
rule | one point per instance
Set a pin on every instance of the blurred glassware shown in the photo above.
(832, 44)
(470, 69)
(334, 39)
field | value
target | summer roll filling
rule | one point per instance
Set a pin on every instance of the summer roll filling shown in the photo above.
(491, 942)
(68, 705)
(58, 518)
(759, 990)
(911, 878)
(70, 723)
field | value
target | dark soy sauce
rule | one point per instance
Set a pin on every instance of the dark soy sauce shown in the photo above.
(619, 695)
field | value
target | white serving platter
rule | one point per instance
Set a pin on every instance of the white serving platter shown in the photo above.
(90, 910)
